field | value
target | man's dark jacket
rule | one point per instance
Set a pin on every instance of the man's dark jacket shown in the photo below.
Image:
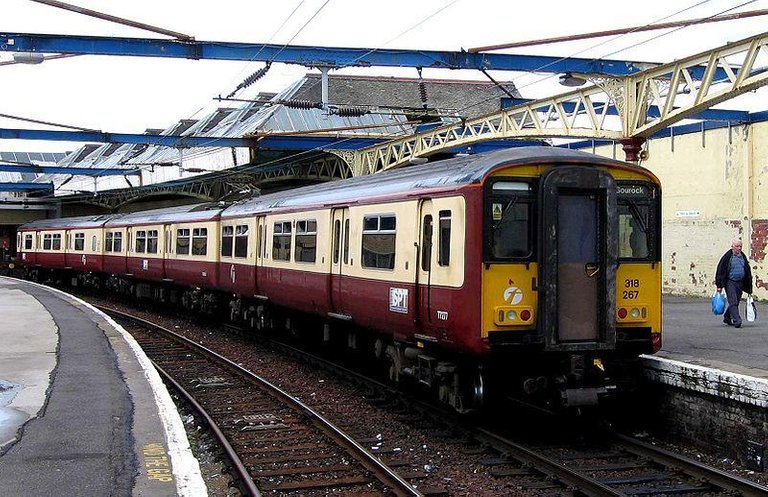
(721, 276)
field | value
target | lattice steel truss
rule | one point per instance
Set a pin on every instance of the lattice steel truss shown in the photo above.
(245, 181)
(679, 90)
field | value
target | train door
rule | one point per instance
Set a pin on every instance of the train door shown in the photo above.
(340, 233)
(164, 249)
(424, 266)
(261, 252)
(578, 259)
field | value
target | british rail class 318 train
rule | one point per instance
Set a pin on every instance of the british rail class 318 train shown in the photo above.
(532, 271)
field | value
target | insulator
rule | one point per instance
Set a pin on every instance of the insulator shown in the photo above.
(302, 104)
(423, 91)
(422, 88)
(351, 111)
(251, 79)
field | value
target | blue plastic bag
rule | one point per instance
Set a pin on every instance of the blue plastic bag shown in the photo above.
(718, 303)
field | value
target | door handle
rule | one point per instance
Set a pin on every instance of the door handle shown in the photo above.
(591, 269)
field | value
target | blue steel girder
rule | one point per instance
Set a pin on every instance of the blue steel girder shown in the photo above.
(25, 187)
(333, 57)
(74, 171)
(176, 141)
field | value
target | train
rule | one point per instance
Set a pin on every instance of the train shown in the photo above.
(532, 271)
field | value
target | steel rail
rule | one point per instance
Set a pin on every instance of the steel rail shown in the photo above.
(715, 476)
(585, 485)
(548, 466)
(237, 463)
(385, 474)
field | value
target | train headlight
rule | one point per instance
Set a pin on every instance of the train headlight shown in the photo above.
(636, 314)
(513, 315)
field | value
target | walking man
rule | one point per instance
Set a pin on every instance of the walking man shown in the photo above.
(733, 274)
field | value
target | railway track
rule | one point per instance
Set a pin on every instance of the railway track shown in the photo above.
(618, 466)
(621, 466)
(277, 444)
(613, 465)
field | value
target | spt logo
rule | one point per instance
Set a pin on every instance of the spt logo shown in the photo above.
(513, 295)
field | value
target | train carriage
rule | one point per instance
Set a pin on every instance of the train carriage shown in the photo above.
(535, 269)
(176, 245)
(238, 252)
(67, 244)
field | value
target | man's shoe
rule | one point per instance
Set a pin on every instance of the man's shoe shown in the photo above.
(728, 322)
(738, 325)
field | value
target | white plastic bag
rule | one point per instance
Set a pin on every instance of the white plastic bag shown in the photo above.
(751, 313)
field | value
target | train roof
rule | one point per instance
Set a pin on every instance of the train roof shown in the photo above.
(82, 222)
(179, 214)
(446, 174)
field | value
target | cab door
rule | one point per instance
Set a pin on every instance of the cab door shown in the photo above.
(578, 256)
(340, 232)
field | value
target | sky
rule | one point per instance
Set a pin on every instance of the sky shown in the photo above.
(131, 94)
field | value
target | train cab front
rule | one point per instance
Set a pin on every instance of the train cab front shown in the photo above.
(563, 329)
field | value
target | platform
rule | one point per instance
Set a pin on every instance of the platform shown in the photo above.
(82, 412)
(700, 352)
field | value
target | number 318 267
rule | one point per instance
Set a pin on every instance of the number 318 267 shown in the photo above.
(631, 294)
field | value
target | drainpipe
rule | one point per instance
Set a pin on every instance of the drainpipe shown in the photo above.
(748, 189)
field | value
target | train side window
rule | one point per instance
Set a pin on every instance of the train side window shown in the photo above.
(378, 247)
(199, 241)
(426, 243)
(182, 241)
(227, 240)
(336, 240)
(27, 242)
(118, 246)
(281, 241)
(56, 241)
(241, 240)
(346, 241)
(94, 243)
(79, 242)
(306, 241)
(141, 241)
(47, 241)
(152, 242)
(168, 241)
(444, 239)
(108, 241)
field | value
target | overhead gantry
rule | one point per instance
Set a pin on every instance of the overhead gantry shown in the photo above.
(643, 103)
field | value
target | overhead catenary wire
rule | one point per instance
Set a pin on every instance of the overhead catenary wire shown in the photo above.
(544, 78)
(263, 46)
(411, 28)
(37, 121)
(115, 19)
(613, 32)
(317, 12)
